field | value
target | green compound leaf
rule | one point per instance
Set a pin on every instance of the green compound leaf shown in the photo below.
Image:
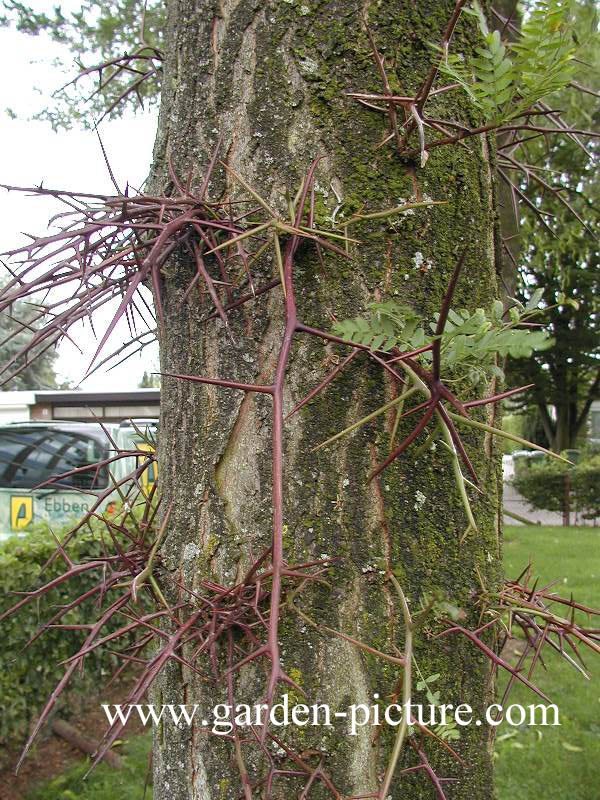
(471, 340)
(387, 325)
(505, 80)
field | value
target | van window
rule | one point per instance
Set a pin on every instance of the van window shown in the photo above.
(30, 456)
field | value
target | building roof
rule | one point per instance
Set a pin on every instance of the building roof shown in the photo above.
(68, 397)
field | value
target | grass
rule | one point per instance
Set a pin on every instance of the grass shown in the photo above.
(104, 783)
(555, 762)
(549, 762)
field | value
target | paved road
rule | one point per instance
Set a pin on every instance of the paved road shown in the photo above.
(514, 502)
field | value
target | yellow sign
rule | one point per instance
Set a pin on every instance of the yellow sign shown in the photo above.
(21, 512)
(150, 473)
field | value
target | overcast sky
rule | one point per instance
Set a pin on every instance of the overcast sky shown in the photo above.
(32, 153)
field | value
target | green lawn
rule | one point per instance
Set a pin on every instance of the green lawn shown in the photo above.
(104, 783)
(556, 762)
(549, 763)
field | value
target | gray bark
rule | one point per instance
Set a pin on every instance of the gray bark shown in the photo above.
(271, 78)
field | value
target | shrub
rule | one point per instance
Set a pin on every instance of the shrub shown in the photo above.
(27, 682)
(560, 487)
(545, 485)
(587, 487)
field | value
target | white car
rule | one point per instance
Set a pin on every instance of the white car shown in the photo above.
(32, 452)
(508, 468)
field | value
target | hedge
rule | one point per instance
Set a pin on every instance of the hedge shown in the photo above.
(587, 487)
(27, 677)
(556, 486)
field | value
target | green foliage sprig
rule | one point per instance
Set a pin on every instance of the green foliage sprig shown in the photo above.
(505, 80)
(470, 340)
(386, 325)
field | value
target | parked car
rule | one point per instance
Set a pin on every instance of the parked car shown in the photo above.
(33, 452)
(143, 434)
(508, 468)
(523, 459)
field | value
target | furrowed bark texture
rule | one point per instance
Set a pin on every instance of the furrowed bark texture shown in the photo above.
(271, 77)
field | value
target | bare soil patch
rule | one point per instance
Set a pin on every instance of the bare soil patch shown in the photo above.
(50, 756)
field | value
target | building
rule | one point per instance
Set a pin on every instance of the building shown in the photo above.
(47, 405)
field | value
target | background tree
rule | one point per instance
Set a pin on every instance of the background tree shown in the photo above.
(149, 381)
(561, 260)
(36, 372)
(125, 36)
(566, 375)
(562, 487)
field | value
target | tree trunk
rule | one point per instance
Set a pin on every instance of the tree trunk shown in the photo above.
(271, 77)
(563, 430)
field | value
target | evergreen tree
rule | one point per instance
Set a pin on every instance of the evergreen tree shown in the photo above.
(149, 381)
(35, 371)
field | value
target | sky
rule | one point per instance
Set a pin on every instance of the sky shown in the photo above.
(33, 153)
